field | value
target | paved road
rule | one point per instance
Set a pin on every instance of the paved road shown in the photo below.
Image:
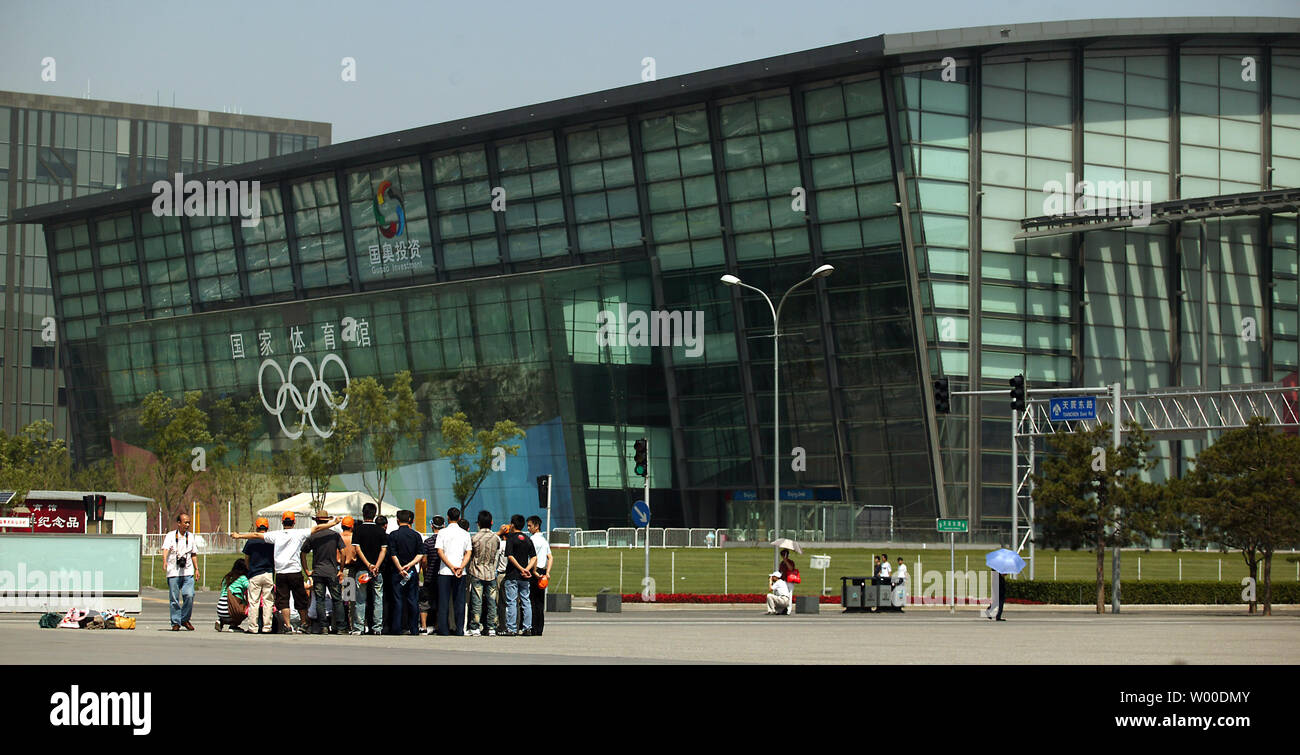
(708, 635)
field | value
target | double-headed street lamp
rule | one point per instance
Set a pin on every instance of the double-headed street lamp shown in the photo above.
(731, 280)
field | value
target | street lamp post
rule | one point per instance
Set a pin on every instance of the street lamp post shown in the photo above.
(731, 280)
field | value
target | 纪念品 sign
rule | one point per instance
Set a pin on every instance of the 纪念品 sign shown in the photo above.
(58, 517)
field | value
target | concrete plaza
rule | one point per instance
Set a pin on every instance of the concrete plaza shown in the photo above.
(710, 634)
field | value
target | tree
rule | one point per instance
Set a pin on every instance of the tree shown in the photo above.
(380, 419)
(319, 460)
(471, 452)
(1089, 495)
(288, 472)
(171, 432)
(239, 475)
(32, 460)
(1243, 492)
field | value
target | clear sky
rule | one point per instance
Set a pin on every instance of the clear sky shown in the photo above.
(426, 62)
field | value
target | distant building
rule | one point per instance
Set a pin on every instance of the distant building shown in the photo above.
(1083, 202)
(57, 148)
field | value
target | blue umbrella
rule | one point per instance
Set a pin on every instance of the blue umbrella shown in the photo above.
(1004, 561)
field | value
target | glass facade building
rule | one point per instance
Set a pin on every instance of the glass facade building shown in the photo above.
(915, 164)
(60, 148)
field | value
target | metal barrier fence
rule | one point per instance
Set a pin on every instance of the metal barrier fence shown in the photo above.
(207, 542)
(633, 537)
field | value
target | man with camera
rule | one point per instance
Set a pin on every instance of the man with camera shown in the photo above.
(178, 554)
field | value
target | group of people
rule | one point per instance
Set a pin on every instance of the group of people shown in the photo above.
(364, 579)
(780, 598)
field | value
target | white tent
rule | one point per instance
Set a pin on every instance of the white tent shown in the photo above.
(345, 503)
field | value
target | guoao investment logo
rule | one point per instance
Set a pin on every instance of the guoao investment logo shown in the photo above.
(386, 194)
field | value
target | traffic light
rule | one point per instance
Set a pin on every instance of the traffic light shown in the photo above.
(543, 490)
(1018, 393)
(941, 396)
(641, 459)
(95, 505)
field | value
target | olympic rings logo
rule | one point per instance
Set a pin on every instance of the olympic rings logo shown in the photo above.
(288, 390)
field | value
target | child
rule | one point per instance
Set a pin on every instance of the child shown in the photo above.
(232, 606)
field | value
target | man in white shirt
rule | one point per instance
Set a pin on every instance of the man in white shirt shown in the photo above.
(537, 593)
(884, 565)
(179, 550)
(900, 582)
(778, 600)
(290, 564)
(454, 551)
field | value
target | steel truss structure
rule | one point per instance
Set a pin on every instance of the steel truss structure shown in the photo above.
(1170, 413)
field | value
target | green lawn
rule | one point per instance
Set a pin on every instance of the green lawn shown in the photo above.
(585, 571)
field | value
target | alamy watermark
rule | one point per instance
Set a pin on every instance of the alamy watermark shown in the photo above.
(40, 589)
(624, 327)
(209, 198)
(1098, 198)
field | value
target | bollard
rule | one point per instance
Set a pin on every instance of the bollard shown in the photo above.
(806, 604)
(609, 603)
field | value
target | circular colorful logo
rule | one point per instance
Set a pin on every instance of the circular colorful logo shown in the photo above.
(387, 194)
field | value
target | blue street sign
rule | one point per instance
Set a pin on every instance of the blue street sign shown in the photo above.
(1075, 407)
(640, 514)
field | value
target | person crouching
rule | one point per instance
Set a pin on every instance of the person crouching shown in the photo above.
(778, 599)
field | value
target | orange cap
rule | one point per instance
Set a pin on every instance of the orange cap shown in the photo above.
(348, 522)
(262, 522)
(288, 517)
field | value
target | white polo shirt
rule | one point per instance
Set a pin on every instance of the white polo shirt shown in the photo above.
(542, 547)
(288, 546)
(454, 542)
(780, 589)
(884, 569)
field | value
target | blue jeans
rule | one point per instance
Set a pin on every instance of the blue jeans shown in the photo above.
(373, 592)
(517, 596)
(482, 604)
(451, 590)
(181, 592)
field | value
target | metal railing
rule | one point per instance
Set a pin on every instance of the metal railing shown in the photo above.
(633, 537)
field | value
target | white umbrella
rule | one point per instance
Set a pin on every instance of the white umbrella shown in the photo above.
(786, 543)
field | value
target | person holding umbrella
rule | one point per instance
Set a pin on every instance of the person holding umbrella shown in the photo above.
(1002, 562)
(786, 567)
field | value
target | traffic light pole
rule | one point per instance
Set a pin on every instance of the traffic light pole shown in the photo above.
(646, 492)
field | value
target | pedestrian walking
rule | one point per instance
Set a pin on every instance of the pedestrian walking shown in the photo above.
(178, 554)
(541, 578)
